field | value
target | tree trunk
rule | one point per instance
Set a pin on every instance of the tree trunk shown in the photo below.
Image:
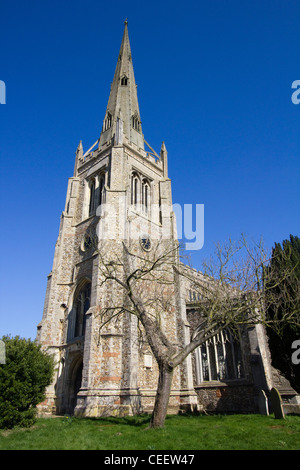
(162, 396)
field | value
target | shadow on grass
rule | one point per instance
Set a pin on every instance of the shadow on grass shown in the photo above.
(142, 420)
(137, 421)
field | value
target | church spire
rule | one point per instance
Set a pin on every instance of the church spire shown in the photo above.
(122, 110)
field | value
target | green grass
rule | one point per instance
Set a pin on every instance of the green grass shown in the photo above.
(235, 432)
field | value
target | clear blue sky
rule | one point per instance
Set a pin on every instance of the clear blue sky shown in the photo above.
(214, 82)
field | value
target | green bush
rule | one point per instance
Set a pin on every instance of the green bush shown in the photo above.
(23, 381)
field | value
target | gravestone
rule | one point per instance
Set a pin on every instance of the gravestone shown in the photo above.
(277, 404)
(263, 403)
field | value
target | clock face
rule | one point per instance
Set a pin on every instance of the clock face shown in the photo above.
(145, 242)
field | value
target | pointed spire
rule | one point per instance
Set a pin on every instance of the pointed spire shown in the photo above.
(123, 101)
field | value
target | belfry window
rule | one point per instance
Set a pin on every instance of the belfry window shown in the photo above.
(140, 193)
(92, 186)
(219, 358)
(145, 196)
(135, 190)
(124, 80)
(96, 187)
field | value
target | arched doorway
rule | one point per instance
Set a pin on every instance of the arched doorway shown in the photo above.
(75, 384)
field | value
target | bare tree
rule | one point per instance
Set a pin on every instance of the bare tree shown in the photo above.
(230, 293)
(244, 287)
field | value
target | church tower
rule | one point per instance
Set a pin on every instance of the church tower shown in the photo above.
(120, 192)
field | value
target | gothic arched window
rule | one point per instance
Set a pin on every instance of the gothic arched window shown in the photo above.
(135, 190)
(101, 189)
(96, 192)
(145, 196)
(80, 307)
(219, 358)
(92, 186)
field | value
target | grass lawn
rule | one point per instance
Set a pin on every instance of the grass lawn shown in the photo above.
(235, 432)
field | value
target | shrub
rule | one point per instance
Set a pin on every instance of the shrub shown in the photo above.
(23, 381)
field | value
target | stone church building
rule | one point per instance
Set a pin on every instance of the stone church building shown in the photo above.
(109, 369)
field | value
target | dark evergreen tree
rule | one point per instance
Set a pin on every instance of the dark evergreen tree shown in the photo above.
(284, 307)
(23, 380)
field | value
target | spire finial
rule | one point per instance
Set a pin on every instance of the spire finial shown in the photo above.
(126, 22)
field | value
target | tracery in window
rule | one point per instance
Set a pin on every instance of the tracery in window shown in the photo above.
(219, 358)
(194, 296)
(141, 193)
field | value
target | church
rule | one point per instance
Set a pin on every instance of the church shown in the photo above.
(120, 190)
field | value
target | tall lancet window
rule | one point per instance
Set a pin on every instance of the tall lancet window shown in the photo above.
(101, 189)
(81, 305)
(92, 186)
(145, 196)
(135, 190)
